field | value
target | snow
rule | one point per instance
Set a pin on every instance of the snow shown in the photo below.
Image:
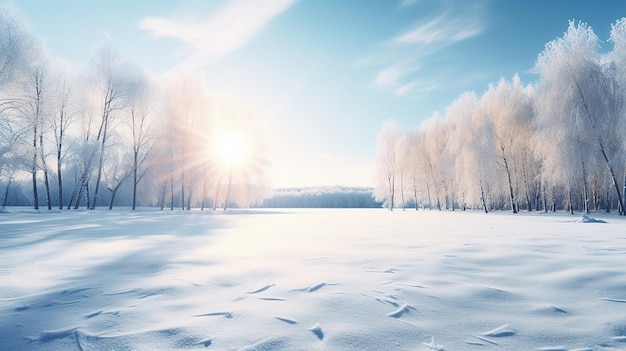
(311, 280)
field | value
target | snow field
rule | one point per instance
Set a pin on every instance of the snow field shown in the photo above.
(311, 280)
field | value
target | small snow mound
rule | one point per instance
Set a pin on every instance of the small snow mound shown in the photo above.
(269, 344)
(205, 342)
(317, 330)
(587, 219)
(47, 336)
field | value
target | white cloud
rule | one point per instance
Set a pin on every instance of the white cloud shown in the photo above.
(230, 28)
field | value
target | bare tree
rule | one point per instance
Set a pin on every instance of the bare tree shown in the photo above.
(111, 87)
(62, 117)
(142, 139)
(185, 109)
(117, 170)
(31, 110)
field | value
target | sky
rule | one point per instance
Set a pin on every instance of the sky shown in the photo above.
(320, 76)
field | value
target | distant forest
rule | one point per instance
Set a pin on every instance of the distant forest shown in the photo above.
(321, 197)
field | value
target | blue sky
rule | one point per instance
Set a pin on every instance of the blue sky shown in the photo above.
(321, 75)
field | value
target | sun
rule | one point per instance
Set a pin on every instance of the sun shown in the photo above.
(231, 149)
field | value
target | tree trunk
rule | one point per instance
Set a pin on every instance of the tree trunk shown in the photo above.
(624, 193)
(162, 197)
(602, 151)
(402, 192)
(508, 177)
(189, 200)
(47, 184)
(33, 169)
(482, 198)
(59, 178)
(182, 189)
(203, 194)
(217, 194)
(6, 193)
(99, 177)
(230, 182)
(569, 198)
(113, 192)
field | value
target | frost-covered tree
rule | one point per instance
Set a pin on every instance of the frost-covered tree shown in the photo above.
(403, 168)
(386, 149)
(21, 95)
(618, 57)
(18, 46)
(463, 149)
(509, 107)
(435, 139)
(580, 105)
(413, 166)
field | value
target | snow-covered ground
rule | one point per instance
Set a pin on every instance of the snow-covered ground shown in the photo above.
(311, 280)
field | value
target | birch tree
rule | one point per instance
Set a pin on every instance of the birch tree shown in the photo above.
(386, 149)
(582, 97)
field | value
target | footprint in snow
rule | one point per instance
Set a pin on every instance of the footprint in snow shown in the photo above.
(401, 311)
(315, 287)
(500, 331)
(287, 320)
(211, 314)
(261, 289)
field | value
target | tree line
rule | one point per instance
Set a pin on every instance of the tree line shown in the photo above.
(321, 197)
(557, 144)
(75, 137)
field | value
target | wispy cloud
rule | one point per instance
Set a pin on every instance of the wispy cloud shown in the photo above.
(389, 77)
(407, 3)
(428, 36)
(228, 29)
(444, 30)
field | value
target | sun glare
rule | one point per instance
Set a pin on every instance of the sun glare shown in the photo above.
(231, 149)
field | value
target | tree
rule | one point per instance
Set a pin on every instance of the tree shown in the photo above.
(185, 107)
(110, 85)
(117, 170)
(581, 103)
(18, 46)
(509, 106)
(21, 73)
(386, 149)
(142, 137)
(31, 110)
(63, 114)
(618, 56)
